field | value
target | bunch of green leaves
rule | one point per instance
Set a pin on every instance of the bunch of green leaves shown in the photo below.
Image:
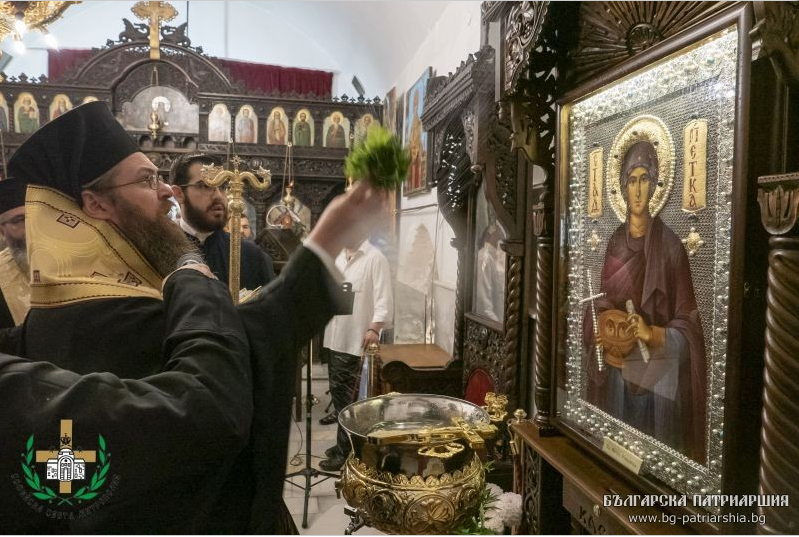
(474, 524)
(380, 159)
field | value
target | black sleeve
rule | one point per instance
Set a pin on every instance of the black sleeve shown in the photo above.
(294, 307)
(258, 266)
(170, 434)
(10, 340)
(279, 321)
(269, 267)
(6, 320)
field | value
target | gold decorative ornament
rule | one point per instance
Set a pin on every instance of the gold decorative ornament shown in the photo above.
(694, 190)
(215, 176)
(415, 466)
(19, 17)
(396, 503)
(155, 124)
(153, 13)
(496, 406)
(443, 451)
(474, 435)
(693, 242)
(642, 128)
(595, 181)
(515, 443)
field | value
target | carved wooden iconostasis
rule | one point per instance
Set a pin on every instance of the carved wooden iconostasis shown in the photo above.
(186, 102)
(707, 92)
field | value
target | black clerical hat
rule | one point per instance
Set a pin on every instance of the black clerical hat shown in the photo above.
(12, 194)
(73, 150)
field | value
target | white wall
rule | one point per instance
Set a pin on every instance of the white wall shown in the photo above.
(453, 37)
(371, 40)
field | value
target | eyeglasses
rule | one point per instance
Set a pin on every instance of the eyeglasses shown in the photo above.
(18, 220)
(206, 188)
(153, 181)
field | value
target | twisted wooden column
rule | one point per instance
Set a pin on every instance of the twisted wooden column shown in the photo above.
(542, 343)
(779, 452)
(543, 335)
(513, 293)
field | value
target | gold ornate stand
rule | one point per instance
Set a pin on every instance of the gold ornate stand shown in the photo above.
(214, 176)
(398, 504)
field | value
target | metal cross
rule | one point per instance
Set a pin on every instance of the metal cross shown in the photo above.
(600, 363)
(153, 13)
(215, 176)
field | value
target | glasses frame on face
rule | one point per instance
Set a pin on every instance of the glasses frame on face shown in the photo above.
(205, 188)
(15, 221)
(153, 181)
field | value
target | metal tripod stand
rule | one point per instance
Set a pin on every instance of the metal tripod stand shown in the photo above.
(309, 472)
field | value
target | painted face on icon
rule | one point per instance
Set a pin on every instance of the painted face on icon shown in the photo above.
(638, 186)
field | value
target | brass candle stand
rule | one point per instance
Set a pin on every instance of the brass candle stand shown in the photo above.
(215, 176)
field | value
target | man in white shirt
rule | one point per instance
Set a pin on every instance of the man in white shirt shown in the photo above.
(347, 336)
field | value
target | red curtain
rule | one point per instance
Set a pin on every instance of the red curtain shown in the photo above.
(64, 60)
(273, 78)
(255, 76)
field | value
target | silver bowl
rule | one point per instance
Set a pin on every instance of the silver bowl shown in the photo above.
(415, 434)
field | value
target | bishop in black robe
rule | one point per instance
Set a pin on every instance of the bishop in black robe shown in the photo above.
(129, 337)
(172, 438)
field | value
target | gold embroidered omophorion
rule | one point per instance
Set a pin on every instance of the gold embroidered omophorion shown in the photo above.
(15, 288)
(74, 257)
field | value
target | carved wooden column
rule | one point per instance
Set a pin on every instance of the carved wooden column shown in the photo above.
(542, 392)
(513, 301)
(778, 196)
(459, 243)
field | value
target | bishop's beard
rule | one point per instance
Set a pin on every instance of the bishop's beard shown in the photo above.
(19, 253)
(159, 240)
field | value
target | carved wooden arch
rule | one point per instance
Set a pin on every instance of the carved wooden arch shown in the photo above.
(613, 32)
(455, 183)
(139, 75)
(450, 118)
(132, 49)
(453, 175)
(132, 55)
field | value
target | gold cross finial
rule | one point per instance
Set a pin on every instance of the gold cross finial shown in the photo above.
(154, 13)
(216, 177)
(236, 161)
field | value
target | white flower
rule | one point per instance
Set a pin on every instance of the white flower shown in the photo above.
(495, 490)
(510, 508)
(494, 522)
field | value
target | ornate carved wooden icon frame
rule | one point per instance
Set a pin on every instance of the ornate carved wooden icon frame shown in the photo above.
(687, 98)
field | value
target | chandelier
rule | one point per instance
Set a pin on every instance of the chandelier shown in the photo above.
(16, 18)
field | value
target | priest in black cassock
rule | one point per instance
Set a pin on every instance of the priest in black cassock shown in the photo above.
(15, 290)
(204, 214)
(100, 244)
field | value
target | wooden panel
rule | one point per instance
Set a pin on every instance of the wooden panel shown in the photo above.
(415, 355)
(589, 515)
(420, 368)
(586, 480)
